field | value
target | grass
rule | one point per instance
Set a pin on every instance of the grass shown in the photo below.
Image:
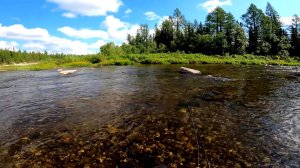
(164, 58)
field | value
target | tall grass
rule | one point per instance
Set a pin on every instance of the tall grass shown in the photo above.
(45, 61)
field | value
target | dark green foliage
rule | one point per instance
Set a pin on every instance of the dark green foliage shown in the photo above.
(221, 35)
(165, 34)
(111, 49)
(274, 18)
(295, 37)
(216, 21)
(253, 19)
(239, 44)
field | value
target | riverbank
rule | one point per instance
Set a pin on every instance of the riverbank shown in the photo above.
(170, 58)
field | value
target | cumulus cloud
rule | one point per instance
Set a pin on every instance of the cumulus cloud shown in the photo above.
(38, 39)
(34, 46)
(8, 45)
(83, 33)
(57, 45)
(286, 21)
(114, 30)
(97, 44)
(210, 5)
(119, 30)
(73, 8)
(18, 31)
(111, 22)
(62, 45)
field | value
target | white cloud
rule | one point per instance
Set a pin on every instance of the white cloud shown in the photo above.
(97, 44)
(87, 7)
(62, 45)
(83, 33)
(128, 11)
(152, 16)
(162, 19)
(57, 45)
(211, 5)
(18, 31)
(69, 15)
(119, 30)
(34, 46)
(111, 22)
(114, 30)
(286, 21)
(8, 45)
(38, 39)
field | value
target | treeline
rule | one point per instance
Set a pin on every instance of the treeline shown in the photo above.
(10, 56)
(259, 33)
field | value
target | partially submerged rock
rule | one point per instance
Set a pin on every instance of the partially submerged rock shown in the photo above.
(66, 72)
(188, 70)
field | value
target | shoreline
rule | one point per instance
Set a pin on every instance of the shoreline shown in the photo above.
(147, 59)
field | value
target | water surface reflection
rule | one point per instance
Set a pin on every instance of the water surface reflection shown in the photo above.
(146, 116)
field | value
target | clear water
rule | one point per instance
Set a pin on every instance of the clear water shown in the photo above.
(151, 116)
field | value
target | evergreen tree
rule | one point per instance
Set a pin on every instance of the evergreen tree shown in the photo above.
(295, 39)
(253, 21)
(165, 35)
(230, 28)
(179, 23)
(273, 34)
(216, 21)
(239, 40)
(274, 18)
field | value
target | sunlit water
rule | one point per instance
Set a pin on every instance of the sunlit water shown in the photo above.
(151, 116)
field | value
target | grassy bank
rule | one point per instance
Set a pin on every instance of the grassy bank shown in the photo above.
(52, 62)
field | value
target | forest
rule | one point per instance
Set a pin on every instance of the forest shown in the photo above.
(259, 38)
(258, 33)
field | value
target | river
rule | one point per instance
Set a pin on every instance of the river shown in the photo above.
(151, 116)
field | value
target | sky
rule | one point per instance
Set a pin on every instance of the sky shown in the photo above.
(82, 26)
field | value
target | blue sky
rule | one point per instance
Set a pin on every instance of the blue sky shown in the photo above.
(82, 26)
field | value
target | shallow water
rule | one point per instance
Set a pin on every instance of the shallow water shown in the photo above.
(151, 116)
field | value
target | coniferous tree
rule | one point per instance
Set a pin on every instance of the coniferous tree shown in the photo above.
(274, 34)
(295, 39)
(216, 20)
(239, 40)
(230, 28)
(275, 19)
(179, 23)
(253, 22)
(165, 35)
(221, 34)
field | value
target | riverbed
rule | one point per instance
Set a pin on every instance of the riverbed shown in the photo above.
(151, 116)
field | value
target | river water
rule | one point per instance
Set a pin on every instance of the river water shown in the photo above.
(151, 116)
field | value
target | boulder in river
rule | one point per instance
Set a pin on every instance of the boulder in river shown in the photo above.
(188, 70)
(66, 72)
